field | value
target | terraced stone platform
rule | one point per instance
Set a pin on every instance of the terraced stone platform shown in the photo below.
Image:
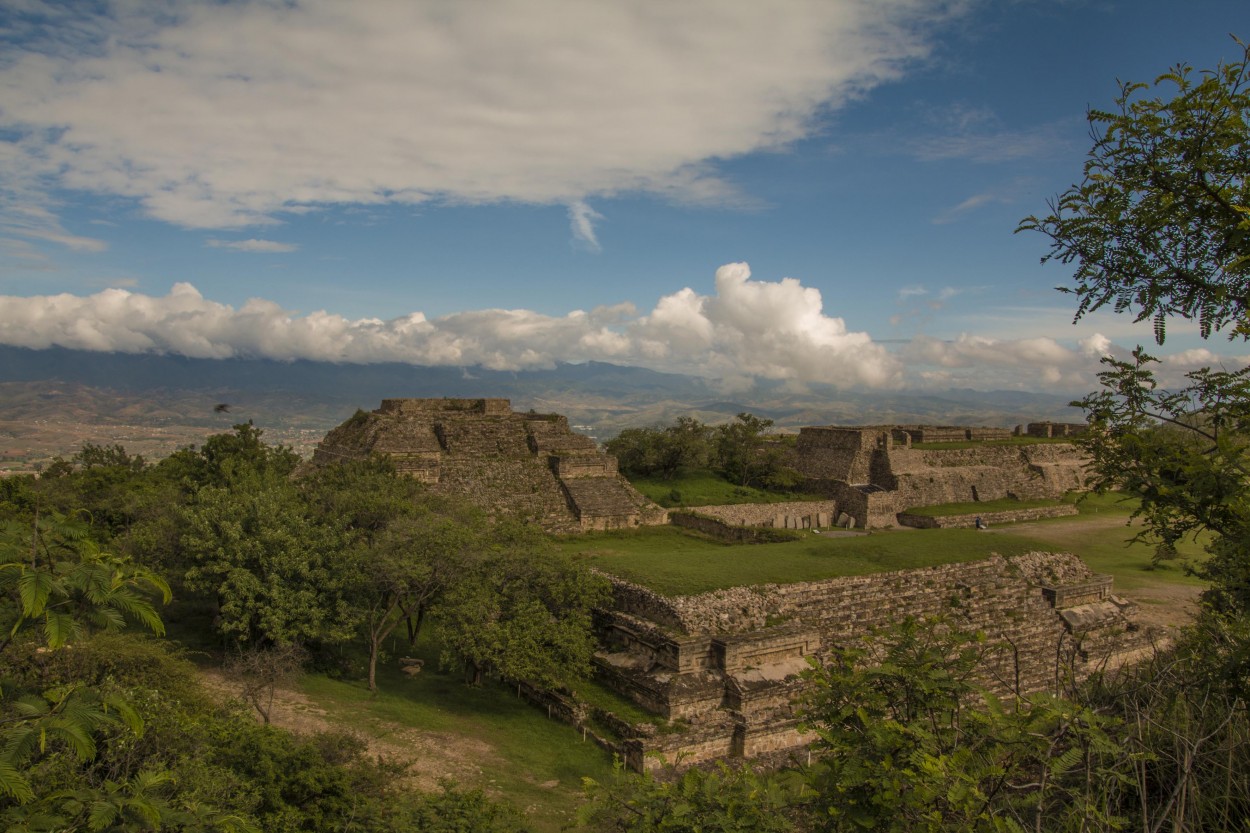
(524, 464)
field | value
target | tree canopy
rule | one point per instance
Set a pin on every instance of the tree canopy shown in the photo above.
(1160, 228)
(1160, 225)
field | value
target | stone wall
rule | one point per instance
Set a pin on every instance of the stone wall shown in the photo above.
(1055, 429)
(722, 531)
(989, 518)
(874, 472)
(729, 662)
(931, 477)
(769, 514)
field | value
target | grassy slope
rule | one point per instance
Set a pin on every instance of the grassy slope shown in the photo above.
(529, 750)
(1101, 536)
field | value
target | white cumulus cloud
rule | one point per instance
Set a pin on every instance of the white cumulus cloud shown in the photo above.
(745, 329)
(222, 115)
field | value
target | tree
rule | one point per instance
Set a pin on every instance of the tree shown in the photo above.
(907, 740)
(724, 800)
(401, 544)
(686, 444)
(1160, 226)
(522, 611)
(746, 456)
(275, 574)
(260, 671)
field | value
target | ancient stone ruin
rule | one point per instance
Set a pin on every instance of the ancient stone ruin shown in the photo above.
(872, 473)
(530, 465)
(724, 667)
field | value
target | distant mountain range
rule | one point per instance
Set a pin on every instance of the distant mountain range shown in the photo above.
(114, 388)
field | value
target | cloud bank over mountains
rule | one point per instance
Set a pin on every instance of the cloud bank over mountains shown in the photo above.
(225, 115)
(745, 331)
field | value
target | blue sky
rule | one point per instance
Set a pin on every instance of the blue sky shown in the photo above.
(811, 190)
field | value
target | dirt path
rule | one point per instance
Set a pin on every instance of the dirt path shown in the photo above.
(430, 756)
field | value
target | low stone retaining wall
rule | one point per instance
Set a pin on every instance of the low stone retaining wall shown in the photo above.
(766, 514)
(1071, 595)
(722, 531)
(990, 518)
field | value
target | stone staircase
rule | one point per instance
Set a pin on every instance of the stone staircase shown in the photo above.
(601, 502)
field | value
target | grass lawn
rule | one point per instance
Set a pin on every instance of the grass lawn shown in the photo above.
(675, 563)
(1100, 535)
(705, 488)
(512, 748)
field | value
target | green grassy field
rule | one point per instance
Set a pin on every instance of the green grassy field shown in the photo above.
(673, 562)
(1101, 535)
(704, 488)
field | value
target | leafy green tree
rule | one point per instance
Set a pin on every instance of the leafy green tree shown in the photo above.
(55, 577)
(746, 456)
(406, 573)
(738, 446)
(907, 741)
(92, 456)
(663, 452)
(1160, 225)
(1183, 454)
(226, 456)
(402, 544)
(1160, 228)
(523, 612)
(724, 800)
(274, 574)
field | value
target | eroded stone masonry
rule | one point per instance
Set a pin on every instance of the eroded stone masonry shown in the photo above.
(727, 665)
(875, 472)
(527, 464)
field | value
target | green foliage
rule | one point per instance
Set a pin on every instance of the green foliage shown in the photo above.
(746, 458)
(276, 576)
(226, 457)
(1185, 708)
(907, 741)
(725, 800)
(403, 546)
(1182, 454)
(108, 456)
(662, 452)
(740, 451)
(523, 613)
(1160, 226)
(54, 576)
